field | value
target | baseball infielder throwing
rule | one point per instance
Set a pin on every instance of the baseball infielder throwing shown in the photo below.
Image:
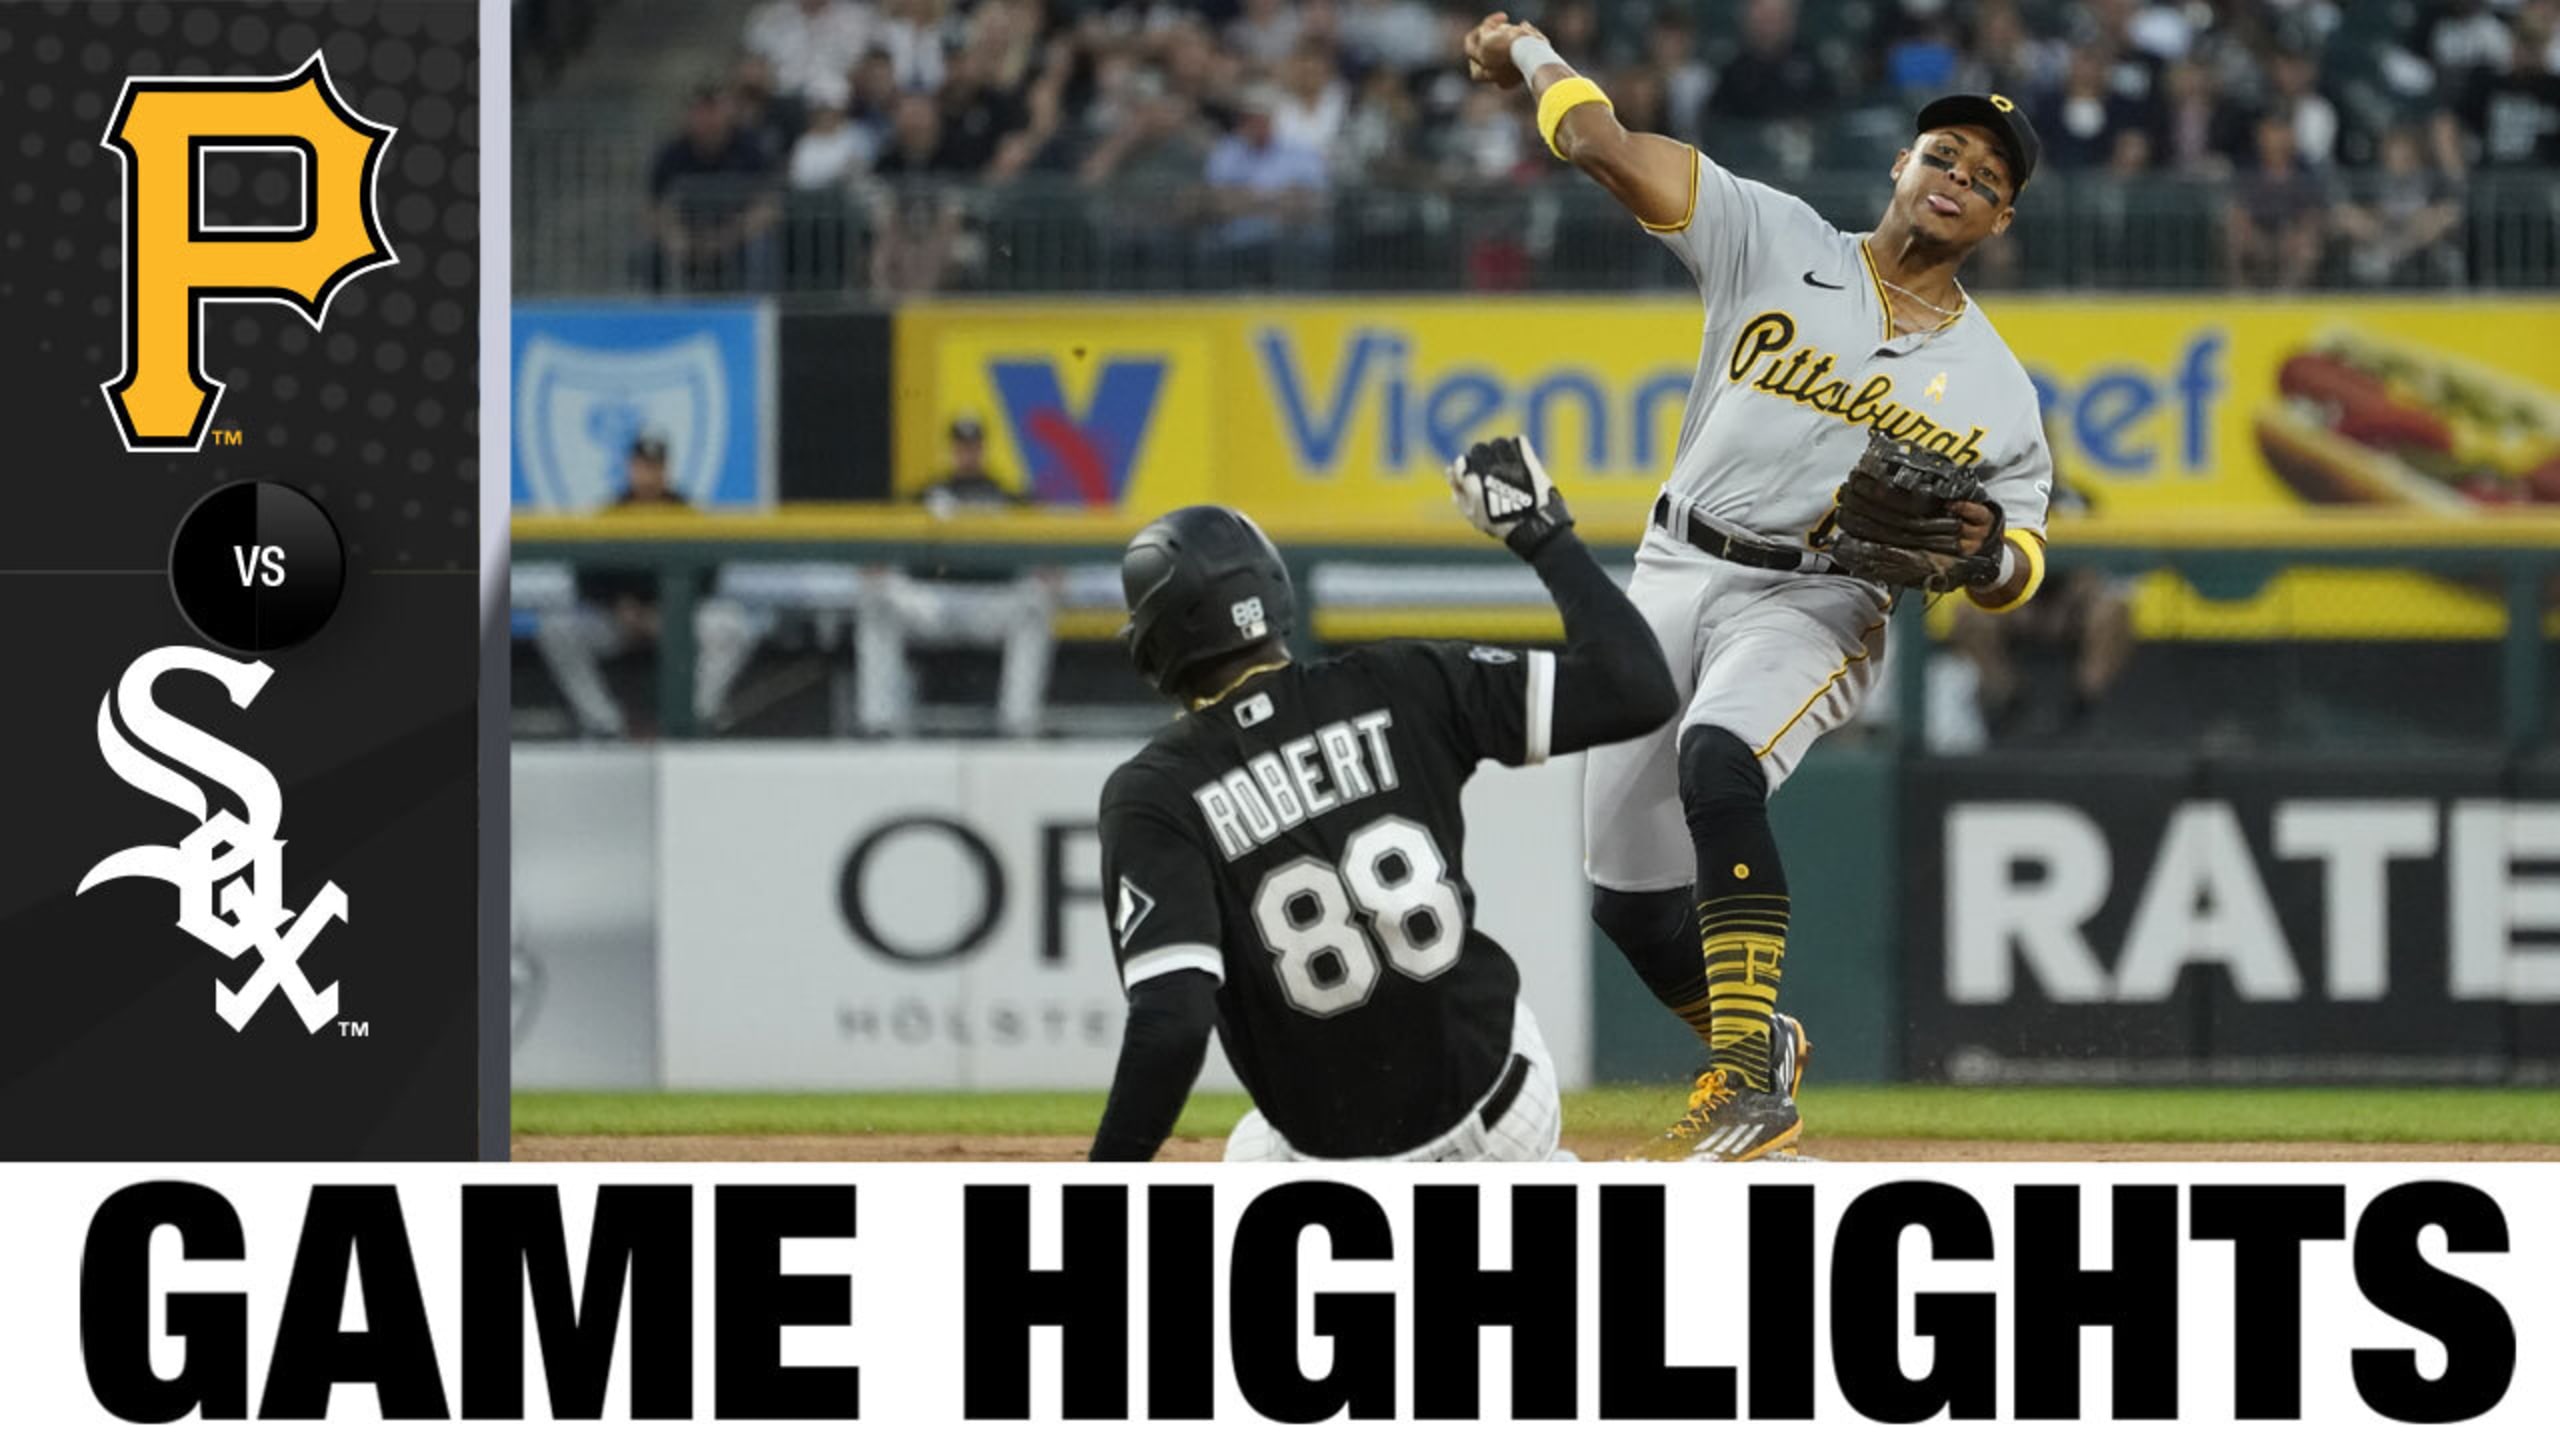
(1856, 426)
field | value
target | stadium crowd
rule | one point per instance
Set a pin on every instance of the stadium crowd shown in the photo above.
(2340, 139)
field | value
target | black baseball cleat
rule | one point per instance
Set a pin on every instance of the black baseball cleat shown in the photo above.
(1728, 1122)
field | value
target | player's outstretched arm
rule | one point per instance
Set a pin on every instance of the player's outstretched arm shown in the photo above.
(1161, 1048)
(1165, 939)
(1654, 176)
(1611, 682)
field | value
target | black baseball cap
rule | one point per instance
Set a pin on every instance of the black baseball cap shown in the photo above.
(1996, 113)
(967, 430)
(649, 445)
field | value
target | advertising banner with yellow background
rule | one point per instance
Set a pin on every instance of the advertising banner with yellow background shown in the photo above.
(1332, 419)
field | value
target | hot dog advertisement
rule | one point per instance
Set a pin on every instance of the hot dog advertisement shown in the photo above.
(2367, 419)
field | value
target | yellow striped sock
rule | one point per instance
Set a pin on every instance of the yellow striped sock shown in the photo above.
(1743, 941)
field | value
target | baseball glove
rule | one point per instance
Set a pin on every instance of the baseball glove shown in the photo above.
(1894, 522)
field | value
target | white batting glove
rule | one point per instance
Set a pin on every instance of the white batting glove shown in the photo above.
(1503, 491)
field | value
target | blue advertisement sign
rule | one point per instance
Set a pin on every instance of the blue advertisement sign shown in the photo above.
(591, 378)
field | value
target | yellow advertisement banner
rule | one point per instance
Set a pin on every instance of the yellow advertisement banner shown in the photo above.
(1335, 417)
(1311, 417)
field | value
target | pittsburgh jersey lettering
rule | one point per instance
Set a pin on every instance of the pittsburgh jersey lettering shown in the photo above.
(1277, 790)
(1804, 376)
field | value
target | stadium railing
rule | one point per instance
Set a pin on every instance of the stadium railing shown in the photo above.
(587, 225)
(2515, 558)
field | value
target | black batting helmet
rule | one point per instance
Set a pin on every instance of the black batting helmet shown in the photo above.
(1201, 582)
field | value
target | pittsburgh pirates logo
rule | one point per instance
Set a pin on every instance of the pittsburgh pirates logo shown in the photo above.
(229, 871)
(175, 265)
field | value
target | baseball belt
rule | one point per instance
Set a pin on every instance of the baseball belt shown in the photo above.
(1692, 529)
(1505, 1090)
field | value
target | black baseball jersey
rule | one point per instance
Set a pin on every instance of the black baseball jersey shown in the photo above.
(1302, 840)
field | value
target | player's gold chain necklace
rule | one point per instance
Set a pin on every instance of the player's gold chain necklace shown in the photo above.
(1230, 687)
(1878, 271)
(1916, 300)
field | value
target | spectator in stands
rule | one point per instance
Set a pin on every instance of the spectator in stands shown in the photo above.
(2294, 77)
(1312, 102)
(806, 43)
(2538, 33)
(832, 150)
(1642, 101)
(912, 34)
(1321, 21)
(1671, 48)
(1267, 193)
(1152, 164)
(1265, 33)
(1774, 76)
(872, 98)
(917, 218)
(2137, 31)
(2007, 59)
(1574, 27)
(1486, 143)
(1381, 135)
(714, 210)
(1489, 146)
(917, 149)
(2080, 125)
(937, 605)
(2464, 40)
(2276, 218)
(2111, 206)
(1923, 60)
(1044, 142)
(1156, 146)
(768, 120)
(2401, 230)
(2132, 155)
(1395, 35)
(2514, 106)
(977, 112)
(1112, 85)
(1006, 34)
(2137, 40)
(2199, 134)
(617, 613)
(1194, 63)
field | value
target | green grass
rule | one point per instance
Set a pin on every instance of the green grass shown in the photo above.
(1880, 1112)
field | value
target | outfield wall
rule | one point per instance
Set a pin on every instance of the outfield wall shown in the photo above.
(900, 917)
(930, 917)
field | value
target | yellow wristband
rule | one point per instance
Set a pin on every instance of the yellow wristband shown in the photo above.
(1563, 96)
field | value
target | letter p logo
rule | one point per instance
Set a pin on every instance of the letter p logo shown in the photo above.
(175, 264)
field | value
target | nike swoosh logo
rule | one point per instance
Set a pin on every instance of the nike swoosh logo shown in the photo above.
(1819, 284)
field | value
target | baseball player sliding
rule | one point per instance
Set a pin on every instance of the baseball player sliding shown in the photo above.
(1856, 427)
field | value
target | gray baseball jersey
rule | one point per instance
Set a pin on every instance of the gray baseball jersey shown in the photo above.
(1796, 367)
(1799, 362)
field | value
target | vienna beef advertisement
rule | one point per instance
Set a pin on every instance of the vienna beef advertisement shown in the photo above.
(1330, 419)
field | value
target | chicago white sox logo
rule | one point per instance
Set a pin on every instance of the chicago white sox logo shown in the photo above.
(229, 872)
